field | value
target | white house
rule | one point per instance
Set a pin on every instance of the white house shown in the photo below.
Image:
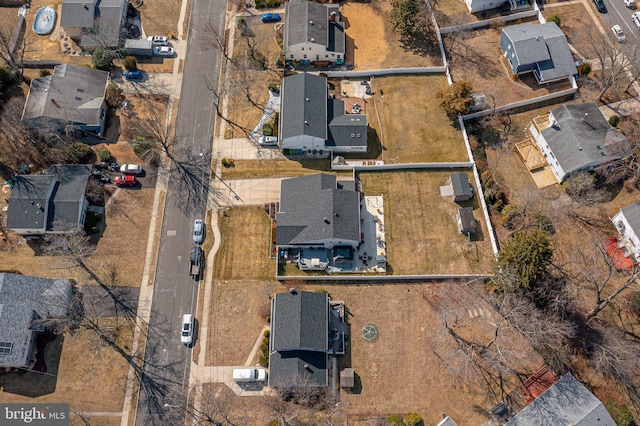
(627, 222)
(311, 123)
(577, 137)
(313, 32)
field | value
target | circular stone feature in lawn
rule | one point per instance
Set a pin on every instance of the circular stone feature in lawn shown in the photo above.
(369, 333)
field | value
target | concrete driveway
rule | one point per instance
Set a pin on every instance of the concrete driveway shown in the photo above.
(242, 149)
(252, 192)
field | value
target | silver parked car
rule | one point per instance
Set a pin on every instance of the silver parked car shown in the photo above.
(198, 231)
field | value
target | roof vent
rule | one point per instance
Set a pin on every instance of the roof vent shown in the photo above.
(306, 122)
(85, 6)
(32, 202)
(337, 215)
(310, 22)
(306, 366)
(292, 290)
(353, 135)
(306, 99)
(326, 221)
(313, 40)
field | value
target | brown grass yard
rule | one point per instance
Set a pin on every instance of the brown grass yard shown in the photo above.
(576, 23)
(161, 17)
(244, 251)
(372, 45)
(422, 234)
(414, 127)
(245, 81)
(88, 379)
(244, 169)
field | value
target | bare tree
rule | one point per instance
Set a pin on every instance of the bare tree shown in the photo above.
(14, 54)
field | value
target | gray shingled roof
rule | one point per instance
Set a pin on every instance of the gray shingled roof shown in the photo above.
(25, 304)
(68, 196)
(577, 140)
(77, 13)
(345, 129)
(304, 106)
(300, 321)
(109, 28)
(313, 208)
(72, 94)
(307, 21)
(567, 402)
(298, 368)
(544, 44)
(461, 185)
(299, 339)
(632, 215)
(28, 202)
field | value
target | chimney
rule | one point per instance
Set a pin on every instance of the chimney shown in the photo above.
(292, 290)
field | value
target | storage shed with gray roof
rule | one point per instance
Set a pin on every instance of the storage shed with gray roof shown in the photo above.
(462, 190)
(313, 32)
(72, 96)
(579, 138)
(27, 304)
(542, 49)
(317, 210)
(52, 203)
(313, 123)
(299, 340)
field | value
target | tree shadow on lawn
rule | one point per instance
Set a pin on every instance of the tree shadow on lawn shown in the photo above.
(31, 383)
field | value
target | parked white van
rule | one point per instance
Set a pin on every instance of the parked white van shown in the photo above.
(249, 375)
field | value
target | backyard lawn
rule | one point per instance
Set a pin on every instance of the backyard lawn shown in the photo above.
(422, 234)
(414, 127)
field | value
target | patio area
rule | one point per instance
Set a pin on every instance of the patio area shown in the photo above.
(536, 164)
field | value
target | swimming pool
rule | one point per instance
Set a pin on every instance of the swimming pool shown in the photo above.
(45, 19)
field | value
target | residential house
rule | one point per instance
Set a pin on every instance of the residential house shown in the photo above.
(539, 48)
(94, 23)
(577, 137)
(72, 98)
(313, 32)
(462, 189)
(54, 203)
(311, 123)
(567, 402)
(627, 222)
(319, 211)
(466, 222)
(306, 329)
(27, 305)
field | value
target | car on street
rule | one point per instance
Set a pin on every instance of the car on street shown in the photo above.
(198, 231)
(163, 51)
(196, 262)
(636, 19)
(125, 180)
(631, 4)
(618, 33)
(131, 169)
(268, 141)
(270, 17)
(158, 40)
(133, 75)
(602, 8)
(186, 333)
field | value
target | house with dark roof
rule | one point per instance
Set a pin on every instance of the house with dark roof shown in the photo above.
(27, 306)
(312, 123)
(627, 222)
(313, 32)
(577, 137)
(72, 98)
(462, 189)
(319, 211)
(567, 402)
(542, 49)
(95, 23)
(306, 329)
(54, 203)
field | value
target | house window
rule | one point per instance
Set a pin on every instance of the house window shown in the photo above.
(598, 147)
(78, 98)
(6, 348)
(291, 56)
(338, 56)
(80, 90)
(304, 56)
(303, 48)
(509, 47)
(603, 154)
(333, 54)
(326, 56)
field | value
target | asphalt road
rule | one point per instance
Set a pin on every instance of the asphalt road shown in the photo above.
(618, 13)
(166, 369)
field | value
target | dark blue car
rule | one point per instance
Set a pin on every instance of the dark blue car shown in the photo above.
(133, 75)
(270, 17)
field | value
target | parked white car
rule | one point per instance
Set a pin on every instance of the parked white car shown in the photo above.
(158, 40)
(618, 33)
(631, 4)
(249, 375)
(636, 19)
(163, 51)
(186, 334)
(268, 140)
(131, 169)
